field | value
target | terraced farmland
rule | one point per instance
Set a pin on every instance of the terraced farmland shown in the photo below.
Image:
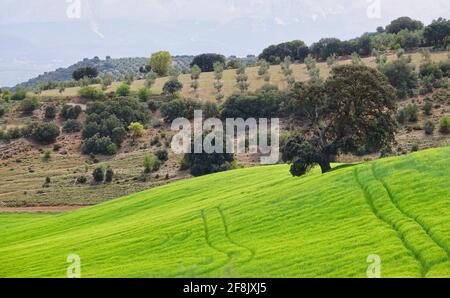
(254, 222)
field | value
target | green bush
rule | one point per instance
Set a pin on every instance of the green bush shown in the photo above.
(91, 93)
(441, 96)
(204, 163)
(2, 111)
(430, 69)
(123, 90)
(47, 155)
(109, 175)
(415, 147)
(150, 164)
(444, 125)
(206, 61)
(111, 118)
(263, 104)
(162, 155)
(81, 179)
(210, 110)
(154, 105)
(98, 175)
(144, 94)
(426, 89)
(14, 133)
(47, 182)
(50, 112)
(111, 149)
(91, 129)
(118, 135)
(28, 105)
(409, 113)
(72, 126)
(179, 108)
(155, 141)
(427, 107)
(172, 86)
(70, 112)
(99, 145)
(20, 94)
(45, 133)
(428, 128)
(57, 147)
(401, 75)
(444, 66)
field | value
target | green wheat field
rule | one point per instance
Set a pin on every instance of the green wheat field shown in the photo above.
(255, 222)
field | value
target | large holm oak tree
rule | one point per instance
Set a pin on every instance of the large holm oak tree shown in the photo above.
(355, 107)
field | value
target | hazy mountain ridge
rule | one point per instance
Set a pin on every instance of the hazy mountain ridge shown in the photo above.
(118, 67)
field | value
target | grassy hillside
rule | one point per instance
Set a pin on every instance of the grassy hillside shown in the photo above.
(255, 222)
(206, 90)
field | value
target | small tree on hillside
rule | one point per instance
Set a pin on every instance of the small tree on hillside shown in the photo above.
(150, 164)
(380, 58)
(107, 80)
(39, 88)
(399, 53)
(174, 73)
(313, 71)
(206, 61)
(218, 84)
(109, 175)
(355, 107)
(136, 131)
(242, 78)
(401, 75)
(50, 112)
(332, 60)
(426, 55)
(437, 33)
(61, 87)
(207, 163)
(356, 60)
(150, 79)
(263, 70)
(172, 86)
(123, 90)
(128, 78)
(28, 105)
(98, 175)
(287, 71)
(195, 75)
(160, 62)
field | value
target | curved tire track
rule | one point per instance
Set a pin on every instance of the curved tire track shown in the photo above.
(416, 254)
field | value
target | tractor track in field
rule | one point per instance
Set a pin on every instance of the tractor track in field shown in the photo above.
(230, 255)
(425, 227)
(227, 235)
(416, 254)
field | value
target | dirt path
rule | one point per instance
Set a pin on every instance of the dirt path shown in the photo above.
(40, 209)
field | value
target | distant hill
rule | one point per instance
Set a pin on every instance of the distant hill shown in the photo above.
(118, 67)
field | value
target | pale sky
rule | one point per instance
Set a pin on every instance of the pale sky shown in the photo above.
(41, 35)
(19, 11)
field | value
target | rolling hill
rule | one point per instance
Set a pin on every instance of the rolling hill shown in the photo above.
(254, 222)
(206, 89)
